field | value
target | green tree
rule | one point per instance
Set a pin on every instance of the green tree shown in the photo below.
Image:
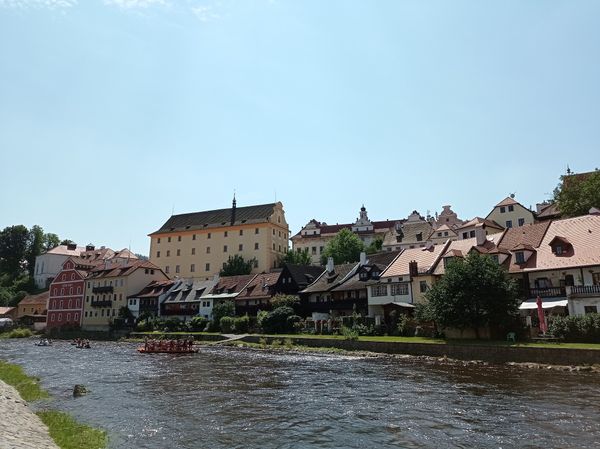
(345, 247)
(577, 194)
(221, 309)
(475, 292)
(375, 245)
(67, 242)
(13, 249)
(51, 241)
(285, 300)
(295, 258)
(35, 247)
(236, 265)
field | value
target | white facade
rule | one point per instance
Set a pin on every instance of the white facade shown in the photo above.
(49, 264)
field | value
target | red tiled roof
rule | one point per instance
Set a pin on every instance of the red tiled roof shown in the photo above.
(120, 268)
(531, 234)
(41, 298)
(234, 283)
(259, 287)
(478, 221)
(425, 258)
(507, 202)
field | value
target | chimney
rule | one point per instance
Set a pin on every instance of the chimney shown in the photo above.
(429, 245)
(233, 207)
(363, 258)
(72, 246)
(480, 235)
(330, 265)
(413, 269)
(540, 206)
(89, 247)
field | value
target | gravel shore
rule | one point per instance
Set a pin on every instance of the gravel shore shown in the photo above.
(20, 428)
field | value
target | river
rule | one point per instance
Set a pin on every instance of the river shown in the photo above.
(243, 398)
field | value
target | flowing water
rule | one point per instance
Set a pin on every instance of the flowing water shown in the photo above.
(241, 398)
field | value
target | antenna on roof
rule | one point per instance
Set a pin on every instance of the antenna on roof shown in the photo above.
(173, 209)
(275, 192)
(568, 170)
(512, 195)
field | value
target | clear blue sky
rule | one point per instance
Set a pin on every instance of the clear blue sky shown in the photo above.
(113, 113)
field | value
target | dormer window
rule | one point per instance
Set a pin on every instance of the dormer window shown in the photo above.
(375, 275)
(520, 257)
(558, 250)
(363, 276)
(560, 246)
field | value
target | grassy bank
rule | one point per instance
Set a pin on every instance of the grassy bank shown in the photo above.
(27, 386)
(69, 434)
(64, 430)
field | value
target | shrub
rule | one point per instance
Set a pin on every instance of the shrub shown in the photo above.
(241, 324)
(260, 317)
(402, 325)
(198, 323)
(262, 341)
(585, 328)
(288, 343)
(226, 324)
(363, 329)
(221, 309)
(276, 322)
(349, 333)
(284, 301)
(276, 342)
(174, 325)
(294, 323)
(20, 333)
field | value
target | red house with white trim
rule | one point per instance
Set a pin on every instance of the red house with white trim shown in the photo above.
(65, 303)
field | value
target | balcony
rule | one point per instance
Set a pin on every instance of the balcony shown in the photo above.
(584, 290)
(549, 292)
(334, 304)
(101, 303)
(103, 289)
(179, 312)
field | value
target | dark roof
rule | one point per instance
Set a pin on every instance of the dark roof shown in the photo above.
(327, 281)
(154, 289)
(217, 218)
(549, 211)
(304, 275)
(531, 234)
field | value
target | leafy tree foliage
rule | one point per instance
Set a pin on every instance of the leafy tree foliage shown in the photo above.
(375, 246)
(295, 258)
(67, 242)
(345, 247)
(51, 241)
(221, 309)
(276, 322)
(236, 265)
(475, 292)
(14, 242)
(577, 194)
(284, 300)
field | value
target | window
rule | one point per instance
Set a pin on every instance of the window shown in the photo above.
(241, 247)
(521, 221)
(208, 250)
(445, 233)
(255, 263)
(241, 232)
(225, 233)
(179, 252)
(465, 235)
(68, 317)
(520, 257)
(207, 267)
(176, 268)
(502, 209)
(179, 238)
(378, 290)
(71, 291)
(256, 246)
(208, 235)
(511, 208)
(167, 269)
(399, 289)
(193, 236)
(320, 249)
(420, 237)
(423, 286)
(157, 254)
(279, 248)
(256, 231)
(558, 250)
(313, 250)
(168, 253)
(590, 309)
(169, 239)
(508, 224)
(158, 240)
(193, 251)
(192, 268)
(59, 316)
(439, 234)
(224, 248)
(273, 246)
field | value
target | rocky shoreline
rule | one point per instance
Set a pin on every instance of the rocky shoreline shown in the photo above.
(20, 427)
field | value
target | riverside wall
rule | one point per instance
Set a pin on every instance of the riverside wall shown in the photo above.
(20, 428)
(486, 353)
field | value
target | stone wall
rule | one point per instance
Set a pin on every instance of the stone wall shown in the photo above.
(487, 353)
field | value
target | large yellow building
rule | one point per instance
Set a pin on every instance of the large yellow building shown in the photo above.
(198, 244)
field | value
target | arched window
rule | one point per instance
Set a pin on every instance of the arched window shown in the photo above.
(62, 291)
(71, 291)
(78, 290)
(72, 276)
(60, 304)
(76, 317)
(68, 317)
(54, 305)
(60, 317)
(69, 305)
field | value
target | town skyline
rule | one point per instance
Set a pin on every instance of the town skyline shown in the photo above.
(133, 109)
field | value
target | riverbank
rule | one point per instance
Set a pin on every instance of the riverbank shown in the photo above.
(21, 428)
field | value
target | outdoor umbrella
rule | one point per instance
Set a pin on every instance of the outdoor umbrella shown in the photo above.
(541, 316)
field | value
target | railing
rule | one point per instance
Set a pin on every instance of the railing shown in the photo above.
(103, 289)
(334, 304)
(549, 292)
(181, 312)
(585, 290)
(101, 303)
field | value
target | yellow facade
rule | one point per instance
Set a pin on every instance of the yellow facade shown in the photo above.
(511, 216)
(105, 295)
(201, 253)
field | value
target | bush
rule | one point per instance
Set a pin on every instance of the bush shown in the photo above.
(349, 333)
(241, 324)
(198, 323)
(284, 301)
(20, 333)
(576, 328)
(294, 323)
(174, 325)
(276, 322)
(221, 309)
(226, 324)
